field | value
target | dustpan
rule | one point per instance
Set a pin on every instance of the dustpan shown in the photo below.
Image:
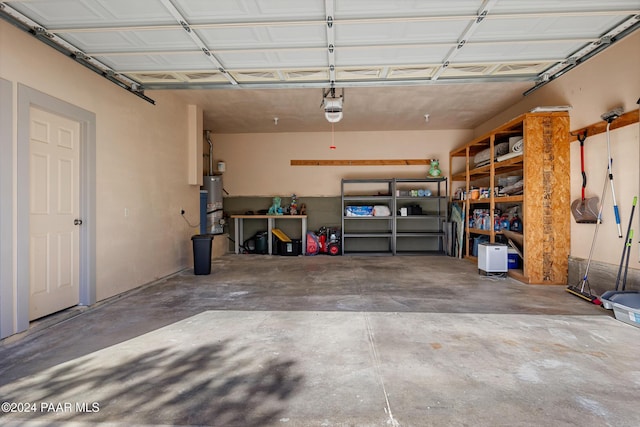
(584, 210)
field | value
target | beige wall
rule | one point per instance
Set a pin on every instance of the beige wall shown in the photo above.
(259, 164)
(597, 86)
(141, 164)
(602, 83)
(142, 156)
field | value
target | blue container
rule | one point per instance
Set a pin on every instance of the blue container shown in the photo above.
(204, 194)
(476, 241)
(513, 259)
(516, 224)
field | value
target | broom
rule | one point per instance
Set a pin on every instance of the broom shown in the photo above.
(579, 289)
(626, 249)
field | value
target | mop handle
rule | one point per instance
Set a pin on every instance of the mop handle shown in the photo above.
(626, 267)
(626, 247)
(616, 212)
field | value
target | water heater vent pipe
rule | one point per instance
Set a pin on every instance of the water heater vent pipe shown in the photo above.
(208, 133)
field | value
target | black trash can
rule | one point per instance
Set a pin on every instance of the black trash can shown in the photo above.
(202, 253)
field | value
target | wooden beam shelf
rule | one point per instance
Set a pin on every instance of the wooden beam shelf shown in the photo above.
(625, 119)
(381, 162)
(546, 238)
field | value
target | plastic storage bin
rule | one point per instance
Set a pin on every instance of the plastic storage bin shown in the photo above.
(626, 306)
(359, 211)
(477, 241)
(513, 259)
(292, 248)
(202, 253)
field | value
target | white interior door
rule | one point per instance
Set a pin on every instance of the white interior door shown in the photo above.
(54, 168)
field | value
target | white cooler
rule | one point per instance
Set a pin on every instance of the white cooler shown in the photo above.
(493, 258)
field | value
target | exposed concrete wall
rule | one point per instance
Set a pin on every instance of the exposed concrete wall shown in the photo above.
(602, 276)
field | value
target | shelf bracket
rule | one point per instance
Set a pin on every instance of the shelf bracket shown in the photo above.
(362, 162)
(625, 119)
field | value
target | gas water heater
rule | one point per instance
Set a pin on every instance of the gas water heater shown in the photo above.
(215, 221)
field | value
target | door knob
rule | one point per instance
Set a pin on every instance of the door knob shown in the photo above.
(77, 222)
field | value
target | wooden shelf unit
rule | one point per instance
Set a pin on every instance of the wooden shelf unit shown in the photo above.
(545, 202)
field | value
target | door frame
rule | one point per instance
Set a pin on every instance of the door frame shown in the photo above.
(27, 98)
(6, 210)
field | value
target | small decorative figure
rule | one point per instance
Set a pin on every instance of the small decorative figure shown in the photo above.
(293, 206)
(275, 208)
(434, 169)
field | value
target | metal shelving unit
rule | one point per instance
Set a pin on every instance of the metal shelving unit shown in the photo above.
(423, 233)
(394, 234)
(372, 235)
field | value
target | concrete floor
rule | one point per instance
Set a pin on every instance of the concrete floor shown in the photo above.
(328, 341)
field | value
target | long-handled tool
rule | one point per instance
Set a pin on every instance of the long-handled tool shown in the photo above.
(579, 289)
(626, 265)
(610, 117)
(608, 297)
(585, 211)
(626, 249)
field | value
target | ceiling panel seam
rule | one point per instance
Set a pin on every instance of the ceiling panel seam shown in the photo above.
(363, 20)
(464, 37)
(197, 40)
(554, 71)
(343, 83)
(347, 47)
(331, 40)
(522, 68)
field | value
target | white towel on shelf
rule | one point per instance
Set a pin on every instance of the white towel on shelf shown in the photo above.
(381, 210)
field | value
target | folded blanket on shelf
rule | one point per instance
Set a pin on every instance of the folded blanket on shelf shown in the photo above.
(517, 147)
(484, 156)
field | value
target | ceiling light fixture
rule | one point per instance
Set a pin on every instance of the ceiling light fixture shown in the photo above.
(332, 105)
